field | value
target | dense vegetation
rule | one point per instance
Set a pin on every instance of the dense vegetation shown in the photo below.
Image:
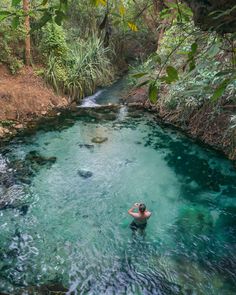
(79, 45)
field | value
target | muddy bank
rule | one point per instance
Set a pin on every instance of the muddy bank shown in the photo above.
(23, 97)
(207, 125)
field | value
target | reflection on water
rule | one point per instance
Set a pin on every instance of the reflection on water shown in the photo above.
(74, 233)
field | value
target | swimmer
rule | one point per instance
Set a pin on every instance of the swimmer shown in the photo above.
(140, 218)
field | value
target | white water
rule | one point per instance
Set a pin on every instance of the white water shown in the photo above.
(122, 113)
(90, 101)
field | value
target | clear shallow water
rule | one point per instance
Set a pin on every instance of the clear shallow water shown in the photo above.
(76, 230)
(109, 95)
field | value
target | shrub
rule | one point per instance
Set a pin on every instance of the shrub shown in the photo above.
(11, 52)
(78, 70)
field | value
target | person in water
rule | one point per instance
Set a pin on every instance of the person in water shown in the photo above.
(140, 217)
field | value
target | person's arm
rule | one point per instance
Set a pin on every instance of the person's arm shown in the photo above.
(130, 211)
(149, 215)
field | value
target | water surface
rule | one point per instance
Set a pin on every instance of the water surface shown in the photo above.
(75, 231)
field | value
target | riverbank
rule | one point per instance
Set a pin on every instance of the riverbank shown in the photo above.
(84, 164)
(23, 98)
(208, 125)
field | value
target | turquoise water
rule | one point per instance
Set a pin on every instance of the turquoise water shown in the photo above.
(76, 233)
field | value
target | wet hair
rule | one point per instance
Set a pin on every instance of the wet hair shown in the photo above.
(142, 207)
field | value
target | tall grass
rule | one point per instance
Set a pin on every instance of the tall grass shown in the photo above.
(89, 67)
(76, 70)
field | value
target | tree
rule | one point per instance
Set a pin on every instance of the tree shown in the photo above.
(26, 8)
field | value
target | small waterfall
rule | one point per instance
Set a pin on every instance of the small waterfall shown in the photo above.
(122, 113)
(90, 101)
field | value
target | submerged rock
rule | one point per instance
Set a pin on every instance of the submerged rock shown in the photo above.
(99, 139)
(84, 173)
(35, 157)
(11, 197)
(87, 146)
(24, 209)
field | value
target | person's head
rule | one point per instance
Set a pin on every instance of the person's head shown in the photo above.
(142, 208)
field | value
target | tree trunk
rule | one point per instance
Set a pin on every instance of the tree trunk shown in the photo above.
(27, 29)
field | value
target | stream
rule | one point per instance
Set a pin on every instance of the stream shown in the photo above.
(67, 226)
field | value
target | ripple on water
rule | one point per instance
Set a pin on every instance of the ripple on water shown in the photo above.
(75, 231)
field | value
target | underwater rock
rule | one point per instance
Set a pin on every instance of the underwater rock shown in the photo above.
(84, 173)
(11, 197)
(87, 146)
(99, 139)
(6, 179)
(128, 161)
(35, 157)
(24, 209)
(22, 171)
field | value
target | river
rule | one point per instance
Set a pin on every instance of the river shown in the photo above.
(69, 224)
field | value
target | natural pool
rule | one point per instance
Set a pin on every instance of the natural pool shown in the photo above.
(73, 230)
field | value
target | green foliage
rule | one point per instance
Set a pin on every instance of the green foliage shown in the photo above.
(6, 123)
(196, 67)
(233, 122)
(11, 52)
(220, 89)
(89, 67)
(75, 70)
(152, 92)
(54, 41)
(172, 75)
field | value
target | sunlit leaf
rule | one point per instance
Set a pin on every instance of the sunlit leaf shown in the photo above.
(172, 73)
(183, 52)
(102, 2)
(139, 75)
(214, 50)
(143, 83)
(171, 5)
(4, 14)
(99, 2)
(15, 22)
(194, 47)
(220, 90)
(132, 27)
(122, 10)
(152, 92)
(15, 2)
